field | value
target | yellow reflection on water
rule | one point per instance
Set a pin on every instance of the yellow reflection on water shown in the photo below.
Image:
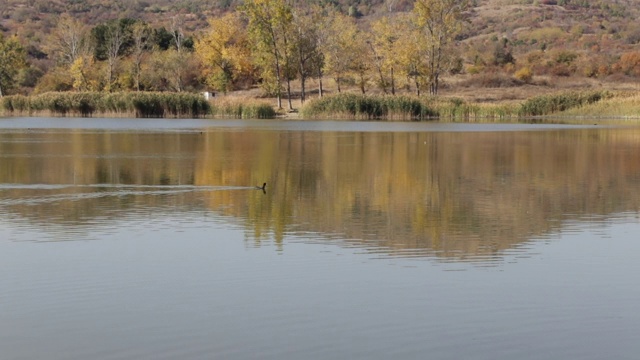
(458, 195)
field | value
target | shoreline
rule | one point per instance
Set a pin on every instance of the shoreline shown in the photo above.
(566, 105)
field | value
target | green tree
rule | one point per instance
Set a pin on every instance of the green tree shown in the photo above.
(112, 40)
(12, 60)
(161, 38)
(440, 21)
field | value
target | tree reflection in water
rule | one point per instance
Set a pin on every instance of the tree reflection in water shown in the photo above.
(454, 195)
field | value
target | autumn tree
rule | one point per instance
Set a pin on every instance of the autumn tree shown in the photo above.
(70, 46)
(411, 57)
(323, 32)
(440, 21)
(171, 70)
(385, 36)
(306, 46)
(84, 75)
(360, 64)
(269, 26)
(177, 32)
(141, 35)
(112, 40)
(224, 52)
(68, 41)
(12, 60)
(342, 47)
(629, 63)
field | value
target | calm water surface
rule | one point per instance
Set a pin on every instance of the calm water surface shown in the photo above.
(146, 239)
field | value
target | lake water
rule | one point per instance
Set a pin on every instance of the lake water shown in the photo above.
(146, 239)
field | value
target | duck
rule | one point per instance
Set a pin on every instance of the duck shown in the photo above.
(263, 187)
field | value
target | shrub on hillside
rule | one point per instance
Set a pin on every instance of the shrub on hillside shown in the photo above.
(524, 74)
(491, 80)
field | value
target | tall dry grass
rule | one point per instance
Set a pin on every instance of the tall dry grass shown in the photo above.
(361, 107)
(133, 104)
(241, 108)
(561, 102)
(624, 105)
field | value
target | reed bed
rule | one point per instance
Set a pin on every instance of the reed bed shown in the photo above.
(134, 104)
(360, 107)
(561, 102)
(241, 108)
(351, 106)
(622, 105)
(458, 110)
(593, 104)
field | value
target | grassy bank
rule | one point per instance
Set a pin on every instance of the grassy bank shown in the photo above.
(622, 106)
(577, 104)
(132, 104)
(358, 107)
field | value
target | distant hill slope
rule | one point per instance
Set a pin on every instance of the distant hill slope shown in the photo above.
(15, 15)
(576, 24)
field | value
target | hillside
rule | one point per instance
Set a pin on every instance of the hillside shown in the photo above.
(28, 17)
(551, 39)
(511, 18)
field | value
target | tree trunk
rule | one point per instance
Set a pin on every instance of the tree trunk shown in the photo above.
(138, 76)
(289, 93)
(320, 83)
(302, 90)
(434, 85)
(393, 84)
(278, 92)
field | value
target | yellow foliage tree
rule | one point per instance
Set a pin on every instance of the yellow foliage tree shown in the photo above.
(85, 74)
(386, 38)
(343, 47)
(412, 57)
(440, 21)
(78, 74)
(224, 52)
(269, 30)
